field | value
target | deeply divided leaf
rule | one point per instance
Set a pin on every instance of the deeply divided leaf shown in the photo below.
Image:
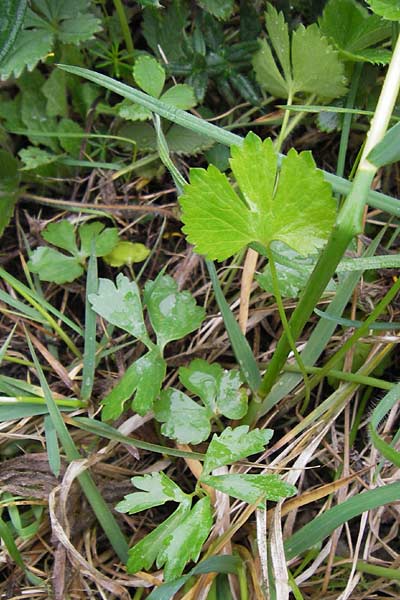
(388, 9)
(183, 419)
(251, 488)
(157, 490)
(52, 265)
(293, 205)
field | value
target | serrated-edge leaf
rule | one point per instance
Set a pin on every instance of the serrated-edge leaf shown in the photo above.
(54, 266)
(149, 75)
(267, 73)
(278, 32)
(157, 489)
(180, 95)
(388, 9)
(250, 488)
(62, 235)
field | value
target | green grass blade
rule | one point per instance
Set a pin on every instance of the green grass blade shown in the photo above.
(52, 448)
(95, 499)
(388, 149)
(89, 353)
(379, 413)
(7, 537)
(378, 326)
(240, 345)
(110, 433)
(340, 185)
(323, 525)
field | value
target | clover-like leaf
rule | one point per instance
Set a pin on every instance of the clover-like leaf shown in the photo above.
(105, 239)
(52, 265)
(62, 235)
(293, 205)
(173, 314)
(297, 71)
(250, 488)
(157, 490)
(143, 378)
(233, 445)
(388, 9)
(186, 541)
(354, 31)
(149, 75)
(144, 553)
(220, 390)
(120, 305)
(183, 419)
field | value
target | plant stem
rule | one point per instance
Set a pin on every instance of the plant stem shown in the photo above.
(344, 138)
(349, 224)
(126, 32)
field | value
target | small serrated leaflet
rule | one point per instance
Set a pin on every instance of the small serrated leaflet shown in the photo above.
(149, 75)
(250, 488)
(157, 489)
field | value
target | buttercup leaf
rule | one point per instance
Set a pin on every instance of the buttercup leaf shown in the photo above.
(62, 235)
(250, 488)
(183, 419)
(157, 490)
(293, 205)
(388, 9)
(105, 238)
(52, 265)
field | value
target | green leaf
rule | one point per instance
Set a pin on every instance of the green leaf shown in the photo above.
(173, 314)
(188, 143)
(120, 305)
(157, 490)
(250, 488)
(353, 30)
(9, 184)
(71, 145)
(62, 235)
(144, 379)
(34, 157)
(51, 265)
(105, 238)
(133, 112)
(220, 390)
(301, 73)
(35, 118)
(388, 149)
(379, 413)
(126, 253)
(55, 90)
(10, 24)
(388, 9)
(183, 419)
(222, 9)
(233, 445)
(165, 29)
(29, 48)
(144, 553)
(186, 541)
(180, 95)
(149, 75)
(296, 208)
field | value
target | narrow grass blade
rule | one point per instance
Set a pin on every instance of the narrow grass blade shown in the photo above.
(53, 451)
(388, 149)
(95, 499)
(375, 199)
(320, 527)
(7, 537)
(89, 353)
(377, 326)
(108, 432)
(379, 413)
(240, 345)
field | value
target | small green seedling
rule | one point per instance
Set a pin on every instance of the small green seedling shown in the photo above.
(181, 536)
(53, 265)
(126, 253)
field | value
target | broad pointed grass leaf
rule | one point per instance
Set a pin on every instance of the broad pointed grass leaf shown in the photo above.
(180, 95)
(144, 379)
(173, 314)
(215, 564)
(9, 182)
(157, 490)
(149, 75)
(105, 238)
(250, 488)
(89, 353)
(62, 235)
(388, 149)
(353, 30)
(183, 419)
(233, 445)
(218, 388)
(186, 541)
(323, 525)
(297, 209)
(144, 553)
(227, 138)
(388, 9)
(120, 305)
(379, 413)
(52, 265)
(301, 73)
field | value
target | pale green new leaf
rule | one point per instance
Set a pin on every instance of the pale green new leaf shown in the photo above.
(120, 305)
(183, 419)
(149, 75)
(219, 389)
(233, 445)
(354, 30)
(388, 9)
(144, 379)
(297, 70)
(294, 206)
(52, 265)
(62, 235)
(157, 490)
(144, 553)
(173, 314)
(186, 541)
(126, 253)
(250, 488)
